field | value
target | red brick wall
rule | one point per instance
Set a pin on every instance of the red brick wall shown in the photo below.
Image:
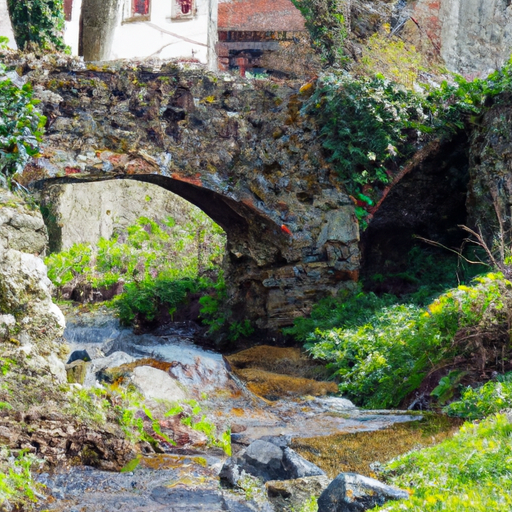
(259, 15)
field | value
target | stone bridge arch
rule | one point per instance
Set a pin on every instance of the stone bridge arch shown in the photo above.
(239, 150)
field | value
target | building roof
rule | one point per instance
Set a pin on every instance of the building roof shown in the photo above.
(259, 15)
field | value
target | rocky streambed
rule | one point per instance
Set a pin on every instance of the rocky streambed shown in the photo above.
(265, 397)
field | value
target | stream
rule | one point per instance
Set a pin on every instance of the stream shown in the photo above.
(188, 478)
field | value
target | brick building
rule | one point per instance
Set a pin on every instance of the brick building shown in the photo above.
(248, 29)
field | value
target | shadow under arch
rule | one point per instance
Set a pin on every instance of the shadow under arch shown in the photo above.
(428, 201)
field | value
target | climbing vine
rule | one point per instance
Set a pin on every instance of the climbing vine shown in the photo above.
(325, 22)
(38, 22)
(21, 127)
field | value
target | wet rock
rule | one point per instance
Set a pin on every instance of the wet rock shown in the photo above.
(79, 355)
(289, 495)
(98, 367)
(297, 466)
(268, 461)
(157, 384)
(197, 500)
(263, 459)
(350, 492)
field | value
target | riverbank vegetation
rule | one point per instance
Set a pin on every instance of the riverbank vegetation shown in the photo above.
(149, 269)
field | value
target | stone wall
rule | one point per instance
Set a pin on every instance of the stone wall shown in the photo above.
(85, 212)
(474, 36)
(490, 192)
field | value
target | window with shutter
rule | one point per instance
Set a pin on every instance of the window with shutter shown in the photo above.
(140, 7)
(183, 9)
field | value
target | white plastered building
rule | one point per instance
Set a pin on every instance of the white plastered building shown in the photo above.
(160, 28)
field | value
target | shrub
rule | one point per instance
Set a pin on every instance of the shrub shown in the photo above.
(143, 298)
(492, 397)
(159, 264)
(384, 357)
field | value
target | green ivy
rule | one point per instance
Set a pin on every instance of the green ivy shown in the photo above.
(21, 128)
(38, 22)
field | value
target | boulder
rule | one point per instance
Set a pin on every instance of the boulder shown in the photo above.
(350, 492)
(290, 495)
(268, 461)
(157, 384)
(27, 313)
(97, 367)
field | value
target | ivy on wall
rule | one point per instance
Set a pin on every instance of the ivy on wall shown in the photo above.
(38, 22)
(325, 23)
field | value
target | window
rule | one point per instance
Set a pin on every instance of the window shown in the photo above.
(182, 9)
(140, 7)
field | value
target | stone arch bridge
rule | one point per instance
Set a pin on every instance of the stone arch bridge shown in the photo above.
(242, 152)
(238, 150)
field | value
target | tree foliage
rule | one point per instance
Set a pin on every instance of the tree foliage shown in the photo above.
(38, 22)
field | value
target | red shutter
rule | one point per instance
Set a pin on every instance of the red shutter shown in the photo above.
(141, 7)
(68, 9)
(186, 6)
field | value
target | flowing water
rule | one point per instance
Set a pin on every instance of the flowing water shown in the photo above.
(189, 479)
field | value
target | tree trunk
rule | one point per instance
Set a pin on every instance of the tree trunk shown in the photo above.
(98, 21)
(213, 37)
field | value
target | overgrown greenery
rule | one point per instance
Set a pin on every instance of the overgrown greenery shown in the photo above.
(325, 22)
(38, 22)
(157, 263)
(482, 401)
(471, 471)
(17, 486)
(380, 352)
(370, 125)
(392, 58)
(21, 127)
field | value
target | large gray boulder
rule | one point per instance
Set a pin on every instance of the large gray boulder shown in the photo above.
(27, 314)
(268, 461)
(350, 492)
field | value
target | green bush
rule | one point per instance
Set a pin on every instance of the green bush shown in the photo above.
(492, 397)
(40, 22)
(146, 250)
(144, 298)
(17, 486)
(21, 128)
(380, 359)
(470, 472)
(159, 264)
